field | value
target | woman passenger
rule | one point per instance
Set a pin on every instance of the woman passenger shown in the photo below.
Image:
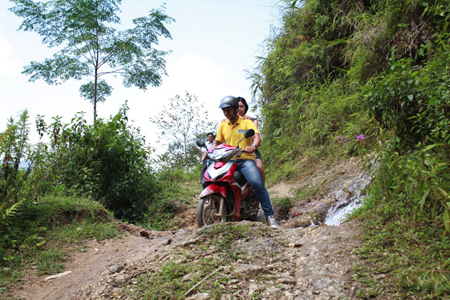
(243, 108)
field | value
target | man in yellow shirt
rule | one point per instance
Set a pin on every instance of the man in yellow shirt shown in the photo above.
(231, 132)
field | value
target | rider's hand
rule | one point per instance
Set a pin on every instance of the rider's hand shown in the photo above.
(203, 156)
(250, 149)
(246, 117)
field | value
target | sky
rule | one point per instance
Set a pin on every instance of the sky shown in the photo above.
(213, 43)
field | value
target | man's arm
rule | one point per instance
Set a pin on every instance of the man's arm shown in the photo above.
(255, 145)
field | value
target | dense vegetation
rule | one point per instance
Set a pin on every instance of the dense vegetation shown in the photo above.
(60, 191)
(370, 78)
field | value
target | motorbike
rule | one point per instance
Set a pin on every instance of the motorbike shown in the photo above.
(228, 196)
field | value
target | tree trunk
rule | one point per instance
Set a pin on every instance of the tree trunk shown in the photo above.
(96, 68)
(185, 152)
(95, 96)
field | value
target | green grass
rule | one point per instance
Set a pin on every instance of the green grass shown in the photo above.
(405, 253)
(162, 213)
(43, 233)
(167, 283)
(283, 202)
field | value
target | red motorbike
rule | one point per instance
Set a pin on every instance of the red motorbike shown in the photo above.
(228, 196)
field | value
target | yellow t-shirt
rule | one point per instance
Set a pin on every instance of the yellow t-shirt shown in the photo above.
(232, 134)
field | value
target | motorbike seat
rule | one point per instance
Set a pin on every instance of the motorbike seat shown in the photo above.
(240, 178)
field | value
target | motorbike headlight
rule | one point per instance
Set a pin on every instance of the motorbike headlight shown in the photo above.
(217, 174)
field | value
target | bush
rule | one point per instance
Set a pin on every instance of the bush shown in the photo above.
(414, 100)
(107, 161)
(14, 148)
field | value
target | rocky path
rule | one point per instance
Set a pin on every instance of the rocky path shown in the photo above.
(291, 263)
(296, 261)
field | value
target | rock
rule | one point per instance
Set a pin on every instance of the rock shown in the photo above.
(117, 293)
(178, 259)
(121, 279)
(252, 288)
(105, 273)
(145, 233)
(288, 296)
(115, 268)
(249, 270)
(200, 296)
(287, 280)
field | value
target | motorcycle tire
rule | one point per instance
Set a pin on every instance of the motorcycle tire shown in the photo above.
(207, 210)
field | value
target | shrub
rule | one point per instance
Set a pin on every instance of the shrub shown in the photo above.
(107, 161)
(414, 100)
(14, 148)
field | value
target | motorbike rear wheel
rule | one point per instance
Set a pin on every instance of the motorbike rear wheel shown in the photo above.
(208, 210)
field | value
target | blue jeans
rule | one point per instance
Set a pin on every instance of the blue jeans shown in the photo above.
(248, 168)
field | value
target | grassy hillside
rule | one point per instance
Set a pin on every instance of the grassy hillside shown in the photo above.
(344, 78)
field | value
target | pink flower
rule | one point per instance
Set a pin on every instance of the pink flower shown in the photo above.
(360, 137)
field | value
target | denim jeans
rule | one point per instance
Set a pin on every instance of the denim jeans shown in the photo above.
(248, 168)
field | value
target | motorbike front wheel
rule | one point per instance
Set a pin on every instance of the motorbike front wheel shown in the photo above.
(208, 211)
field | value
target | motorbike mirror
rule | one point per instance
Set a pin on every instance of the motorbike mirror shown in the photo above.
(201, 143)
(249, 133)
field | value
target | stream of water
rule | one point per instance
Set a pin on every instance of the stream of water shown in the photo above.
(348, 199)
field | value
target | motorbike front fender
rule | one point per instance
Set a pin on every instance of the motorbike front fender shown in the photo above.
(214, 189)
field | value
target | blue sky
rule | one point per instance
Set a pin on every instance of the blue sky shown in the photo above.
(213, 43)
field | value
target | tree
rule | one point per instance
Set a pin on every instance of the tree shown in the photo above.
(181, 122)
(176, 155)
(88, 47)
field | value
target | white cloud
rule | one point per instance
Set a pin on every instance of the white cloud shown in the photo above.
(197, 72)
(8, 66)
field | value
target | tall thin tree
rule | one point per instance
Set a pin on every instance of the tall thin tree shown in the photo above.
(89, 46)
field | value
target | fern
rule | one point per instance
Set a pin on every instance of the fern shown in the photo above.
(8, 212)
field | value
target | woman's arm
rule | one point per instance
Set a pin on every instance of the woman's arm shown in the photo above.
(256, 123)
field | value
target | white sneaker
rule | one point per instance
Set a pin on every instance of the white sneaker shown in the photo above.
(271, 222)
